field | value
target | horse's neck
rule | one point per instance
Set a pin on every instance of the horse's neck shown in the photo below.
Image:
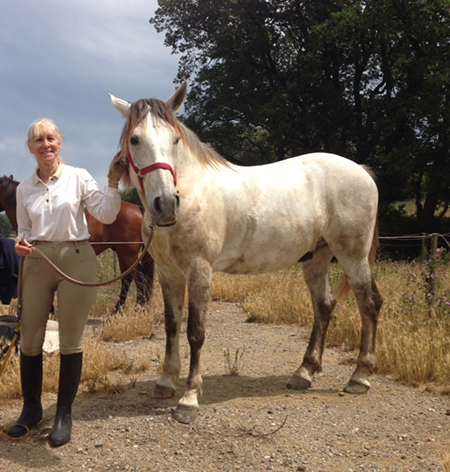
(190, 168)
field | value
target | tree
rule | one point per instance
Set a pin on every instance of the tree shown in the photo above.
(6, 229)
(366, 79)
(130, 196)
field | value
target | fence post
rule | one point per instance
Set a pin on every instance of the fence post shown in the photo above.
(423, 253)
(434, 245)
(432, 280)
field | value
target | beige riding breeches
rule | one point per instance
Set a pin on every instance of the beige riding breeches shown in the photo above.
(74, 302)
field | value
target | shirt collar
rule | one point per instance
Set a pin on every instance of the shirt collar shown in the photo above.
(56, 175)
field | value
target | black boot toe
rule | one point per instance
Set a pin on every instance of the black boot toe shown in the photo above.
(62, 429)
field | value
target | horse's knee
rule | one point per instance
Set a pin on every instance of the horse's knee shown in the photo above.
(196, 336)
(377, 298)
(326, 307)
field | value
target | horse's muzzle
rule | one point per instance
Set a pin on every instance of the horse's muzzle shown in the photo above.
(165, 210)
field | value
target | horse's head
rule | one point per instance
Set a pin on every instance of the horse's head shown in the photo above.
(8, 192)
(8, 188)
(149, 141)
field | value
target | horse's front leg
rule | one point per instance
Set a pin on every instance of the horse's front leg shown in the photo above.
(173, 290)
(199, 286)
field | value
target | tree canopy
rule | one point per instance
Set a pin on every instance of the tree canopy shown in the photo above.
(6, 229)
(369, 80)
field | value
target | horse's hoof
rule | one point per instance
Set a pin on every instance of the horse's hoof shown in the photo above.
(298, 383)
(357, 387)
(185, 414)
(162, 391)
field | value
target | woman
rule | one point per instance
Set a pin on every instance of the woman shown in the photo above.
(50, 216)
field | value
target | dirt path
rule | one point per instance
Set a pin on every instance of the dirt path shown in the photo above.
(248, 422)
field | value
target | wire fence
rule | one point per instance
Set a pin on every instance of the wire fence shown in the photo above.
(419, 245)
(422, 245)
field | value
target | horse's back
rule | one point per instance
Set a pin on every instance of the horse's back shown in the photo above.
(262, 218)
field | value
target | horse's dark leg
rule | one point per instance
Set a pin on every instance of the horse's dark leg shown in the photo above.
(199, 286)
(126, 282)
(145, 280)
(369, 303)
(140, 289)
(317, 279)
(173, 290)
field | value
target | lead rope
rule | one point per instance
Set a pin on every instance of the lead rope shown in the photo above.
(97, 284)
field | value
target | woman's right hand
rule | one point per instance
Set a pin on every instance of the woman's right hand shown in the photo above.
(23, 247)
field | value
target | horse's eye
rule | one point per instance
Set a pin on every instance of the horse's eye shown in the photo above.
(176, 140)
(134, 140)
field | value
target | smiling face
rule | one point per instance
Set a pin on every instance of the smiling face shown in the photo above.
(44, 141)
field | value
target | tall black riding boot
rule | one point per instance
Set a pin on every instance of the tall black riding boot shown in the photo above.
(31, 380)
(69, 379)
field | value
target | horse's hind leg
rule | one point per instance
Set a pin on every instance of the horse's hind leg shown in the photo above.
(317, 279)
(140, 287)
(369, 303)
(199, 285)
(126, 282)
(145, 280)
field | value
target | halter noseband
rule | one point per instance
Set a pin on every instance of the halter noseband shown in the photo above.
(146, 170)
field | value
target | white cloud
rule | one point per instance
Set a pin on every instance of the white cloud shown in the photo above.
(60, 59)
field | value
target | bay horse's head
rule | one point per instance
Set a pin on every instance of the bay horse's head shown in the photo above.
(7, 192)
(8, 188)
(149, 142)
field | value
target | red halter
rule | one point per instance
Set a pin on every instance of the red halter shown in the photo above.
(141, 172)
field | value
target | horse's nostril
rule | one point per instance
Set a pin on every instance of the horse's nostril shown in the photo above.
(157, 205)
(165, 209)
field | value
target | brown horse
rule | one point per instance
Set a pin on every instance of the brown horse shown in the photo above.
(123, 236)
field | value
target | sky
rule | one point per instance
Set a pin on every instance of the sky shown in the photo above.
(59, 59)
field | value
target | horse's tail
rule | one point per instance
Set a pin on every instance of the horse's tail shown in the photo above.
(342, 289)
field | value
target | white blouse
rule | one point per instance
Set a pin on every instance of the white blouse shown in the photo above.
(55, 211)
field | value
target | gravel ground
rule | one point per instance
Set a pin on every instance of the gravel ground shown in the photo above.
(248, 422)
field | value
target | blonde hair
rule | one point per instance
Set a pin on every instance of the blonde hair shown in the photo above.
(41, 127)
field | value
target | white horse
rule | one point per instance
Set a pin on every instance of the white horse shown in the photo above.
(210, 215)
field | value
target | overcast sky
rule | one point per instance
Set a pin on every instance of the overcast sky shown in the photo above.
(60, 58)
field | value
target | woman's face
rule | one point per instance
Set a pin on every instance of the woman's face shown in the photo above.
(46, 148)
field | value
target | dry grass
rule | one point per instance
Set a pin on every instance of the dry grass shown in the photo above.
(108, 367)
(445, 461)
(280, 297)
(413, 343)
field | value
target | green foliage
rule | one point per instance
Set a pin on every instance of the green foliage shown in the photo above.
(233, 365)
(130, 196)
(368, 80)
(6, 229)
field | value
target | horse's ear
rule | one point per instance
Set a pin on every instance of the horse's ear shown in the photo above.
(177, 99)
(122, 105)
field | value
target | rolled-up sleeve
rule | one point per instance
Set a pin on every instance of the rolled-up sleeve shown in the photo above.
(102, 206)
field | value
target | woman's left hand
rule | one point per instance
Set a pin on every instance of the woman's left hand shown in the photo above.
(23, 247)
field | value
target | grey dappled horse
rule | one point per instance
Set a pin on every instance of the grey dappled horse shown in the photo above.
(211, 215)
